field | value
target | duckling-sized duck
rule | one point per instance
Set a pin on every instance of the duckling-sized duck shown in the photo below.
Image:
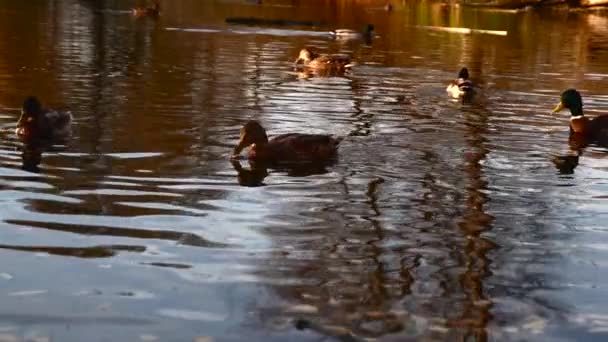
(461, 87)
(36, 122)
(593, 130)
(315, 61)
(153, 11)
(347, 34)
(285, 148)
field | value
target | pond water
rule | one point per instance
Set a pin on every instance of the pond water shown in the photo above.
(439, 221)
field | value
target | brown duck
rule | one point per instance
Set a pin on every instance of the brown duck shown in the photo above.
(313, 60)
(36, 122)
(285, 148)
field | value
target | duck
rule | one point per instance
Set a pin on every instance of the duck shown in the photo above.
(347, 34)
(285, 148)
(315, 61)
(36, 122)
(153, 11)
(462, 86)
(593, 130)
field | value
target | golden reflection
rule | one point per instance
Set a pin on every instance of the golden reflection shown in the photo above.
(476, 309)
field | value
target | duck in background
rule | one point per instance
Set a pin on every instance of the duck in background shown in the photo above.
(347, 34)
(462, 87)
(590, 130)
(153, 11)
(38, 123)
(285, 148)
(312, 60)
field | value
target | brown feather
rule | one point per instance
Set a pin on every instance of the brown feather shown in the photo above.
(286, 147)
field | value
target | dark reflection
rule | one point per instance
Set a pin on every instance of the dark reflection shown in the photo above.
(188, 239)
(339, 334)
(566, 164)
(32, 150)
(467, 98)
(258, 170)
(31, 156)
(253, 176)
(168, 265)
(80, 252)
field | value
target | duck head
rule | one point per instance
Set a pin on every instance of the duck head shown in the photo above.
(305, 56)
(570, 99)
(463, 73)
(251, 133)
(31, 110)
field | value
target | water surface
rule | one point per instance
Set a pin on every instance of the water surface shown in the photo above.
(439, 221)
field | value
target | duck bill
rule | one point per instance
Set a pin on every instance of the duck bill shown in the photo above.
(237, 150)
(21, 120)
(558, 108)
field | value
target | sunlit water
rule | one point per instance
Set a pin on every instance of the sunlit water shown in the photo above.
(439, 220)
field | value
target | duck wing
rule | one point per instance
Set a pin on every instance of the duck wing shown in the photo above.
(297, 146)
(599, 126)
(331, 61)
(58, 118)
(57, 123)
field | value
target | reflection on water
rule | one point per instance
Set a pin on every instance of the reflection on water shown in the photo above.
(440, 220)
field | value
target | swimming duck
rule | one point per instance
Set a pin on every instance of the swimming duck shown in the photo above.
(36, 122)
(462, 86)
(313, 60)
(153, 11)
(594, 130)
(348, 34)
(285, 148)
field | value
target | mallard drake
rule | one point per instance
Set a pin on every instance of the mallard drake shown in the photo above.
(38, 123)
(593, 130)
(462, 86)
(153, 11)
(314, 60)
(348, 34)
(285, 148)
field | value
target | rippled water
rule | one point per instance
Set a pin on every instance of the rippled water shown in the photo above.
(439, 221)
